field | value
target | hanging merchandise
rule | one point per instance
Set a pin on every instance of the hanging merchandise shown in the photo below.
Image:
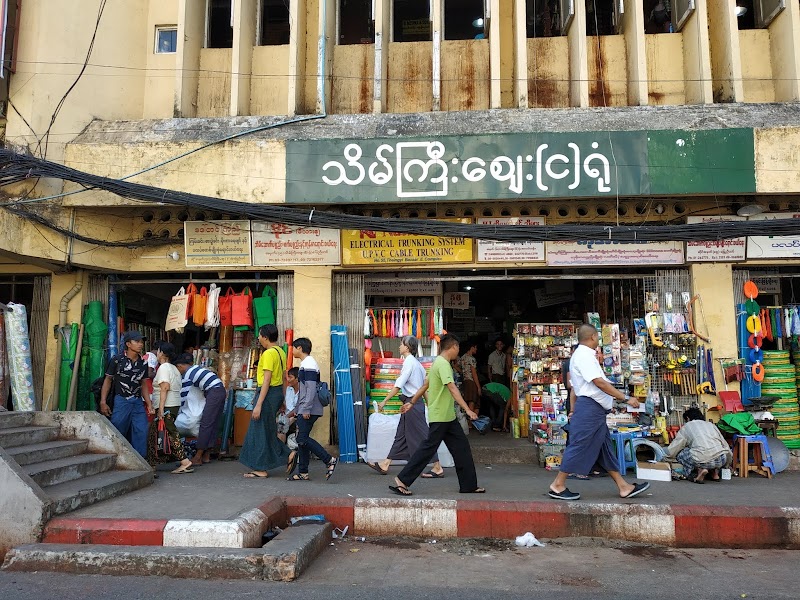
(226, 308)
(212, 307)
(199, 307)
(242, 310)
(19, 357)
(345, 410)
(191, 292)
(178, 309)
(92, 356)
(265, 307)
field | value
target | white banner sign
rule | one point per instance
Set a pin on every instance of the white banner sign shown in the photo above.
(593, 253)
(423, 287)
(489, 251)
(768, 246)
(715, 250)
(217, 243)
(278, 244)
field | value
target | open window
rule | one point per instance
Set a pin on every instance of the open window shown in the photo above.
(600, 17)
(465, 20)
(356, 22)
(680, 12)
(219, 24)
(273, 23)
(657, 16)
(543, 18)
(757, 14)
(411, 21)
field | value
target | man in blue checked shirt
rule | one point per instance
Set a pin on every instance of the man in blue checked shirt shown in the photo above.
(215, 394)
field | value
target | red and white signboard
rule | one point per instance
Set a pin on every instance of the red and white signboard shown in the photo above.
(592, 253)
(715, 250)
(489, 251)
(278, 244)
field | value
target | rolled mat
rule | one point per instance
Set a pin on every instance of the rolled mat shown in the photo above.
(20, 365)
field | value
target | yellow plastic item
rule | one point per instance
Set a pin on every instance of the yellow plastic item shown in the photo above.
(753, 324)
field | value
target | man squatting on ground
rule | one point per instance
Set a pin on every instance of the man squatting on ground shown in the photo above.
(589, 438)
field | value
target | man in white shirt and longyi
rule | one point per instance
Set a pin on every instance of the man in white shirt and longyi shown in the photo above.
(589, 438)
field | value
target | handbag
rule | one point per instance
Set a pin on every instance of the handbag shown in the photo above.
(212, 307)
(199, 308)
(242, 309)
(177, 313)
(225, 308)
(163, 445)
(265, 307)
(191, 292)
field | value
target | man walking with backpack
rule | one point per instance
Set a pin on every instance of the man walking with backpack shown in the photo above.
(126, 375)
(308, 410)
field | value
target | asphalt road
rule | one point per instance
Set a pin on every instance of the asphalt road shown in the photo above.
(399, 569)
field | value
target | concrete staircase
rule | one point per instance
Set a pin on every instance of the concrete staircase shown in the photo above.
(54, 463)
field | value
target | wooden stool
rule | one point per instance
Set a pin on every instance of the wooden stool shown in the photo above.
(768, 426)
(762, 459)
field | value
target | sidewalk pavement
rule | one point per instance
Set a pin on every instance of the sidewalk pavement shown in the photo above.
(216, 506)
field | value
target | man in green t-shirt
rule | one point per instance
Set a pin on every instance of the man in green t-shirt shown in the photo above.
(442, 425)
(494, 396)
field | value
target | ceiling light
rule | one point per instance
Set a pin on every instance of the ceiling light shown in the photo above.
(741, 11)
(478, 22)
(750, 210)
(659, 208)
(468, 287)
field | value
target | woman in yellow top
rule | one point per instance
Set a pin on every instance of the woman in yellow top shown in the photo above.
(262, 451)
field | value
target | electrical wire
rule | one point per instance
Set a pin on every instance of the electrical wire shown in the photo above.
(15, 168)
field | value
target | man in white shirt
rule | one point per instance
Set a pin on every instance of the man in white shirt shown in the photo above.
(589, 439)
(497, 364)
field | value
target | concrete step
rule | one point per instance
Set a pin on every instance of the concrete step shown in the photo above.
(61, 470)
(21, 436)
(15, 419)
(78, 493)
(34, 453)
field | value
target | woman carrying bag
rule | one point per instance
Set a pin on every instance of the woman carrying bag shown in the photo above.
(165, 443)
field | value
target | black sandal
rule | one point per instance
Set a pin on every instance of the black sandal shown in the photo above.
(331, 468)
(400, 490)
(298, 477)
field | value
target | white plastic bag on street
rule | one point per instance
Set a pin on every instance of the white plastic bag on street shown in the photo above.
(528, 540)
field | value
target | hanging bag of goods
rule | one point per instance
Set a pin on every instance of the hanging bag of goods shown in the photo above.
(242, 309)
(265, 307)
(20, 365)
(226, 308)
(191, 292)
(199, 307)
(212, 307)
(176, 316)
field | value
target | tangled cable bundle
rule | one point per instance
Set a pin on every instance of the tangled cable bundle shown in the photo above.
(15, 168)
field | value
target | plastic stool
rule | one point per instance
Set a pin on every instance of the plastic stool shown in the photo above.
(619, 439)
(762, 458)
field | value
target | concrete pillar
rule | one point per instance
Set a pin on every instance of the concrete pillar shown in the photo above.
(437, 35)
(59, 286)
(191, 36)
(726, 58)
(327, 39)
(297, 56)
(696, 56)
(520, 55)
(383, 34)
(312, 319)
(714, 283)
(784, 35)
(633, 30)
(578, 57)
(495, 75)
(244, 38)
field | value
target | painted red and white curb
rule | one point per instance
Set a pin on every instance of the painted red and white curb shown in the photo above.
(676, 525)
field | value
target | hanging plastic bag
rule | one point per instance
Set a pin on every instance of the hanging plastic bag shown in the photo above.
(191, 292)
(242, 309)
(265, 307)
(199, 307)
(225, 308)
(176, 316)
(212, 307)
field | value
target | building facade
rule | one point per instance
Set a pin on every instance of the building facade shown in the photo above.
(598, 112)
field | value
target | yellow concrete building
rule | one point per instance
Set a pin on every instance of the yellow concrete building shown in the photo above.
(690, 109)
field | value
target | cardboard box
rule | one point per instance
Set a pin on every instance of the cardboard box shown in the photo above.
(658, 471)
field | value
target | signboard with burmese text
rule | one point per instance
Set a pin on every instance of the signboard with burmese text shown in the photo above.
(593, 253)
(278, 244)
(715, 250)
(490, 251)
(217, 243)
(773, 246)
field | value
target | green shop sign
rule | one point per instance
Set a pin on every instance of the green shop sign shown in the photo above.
(521, 165)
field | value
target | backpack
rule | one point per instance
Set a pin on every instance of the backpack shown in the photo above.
(323, 393)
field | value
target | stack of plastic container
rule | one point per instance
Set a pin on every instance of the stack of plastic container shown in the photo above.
(780, 380)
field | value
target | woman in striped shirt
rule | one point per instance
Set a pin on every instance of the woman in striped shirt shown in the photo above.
(215, 394)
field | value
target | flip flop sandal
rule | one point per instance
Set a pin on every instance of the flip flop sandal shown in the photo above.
(638, 488)
(254, 475)
(475, 491)
(376, 467)
(400, 490)
(181, 471)
(432, 475)
(298, 477)
(291, 462)
(331, 468)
